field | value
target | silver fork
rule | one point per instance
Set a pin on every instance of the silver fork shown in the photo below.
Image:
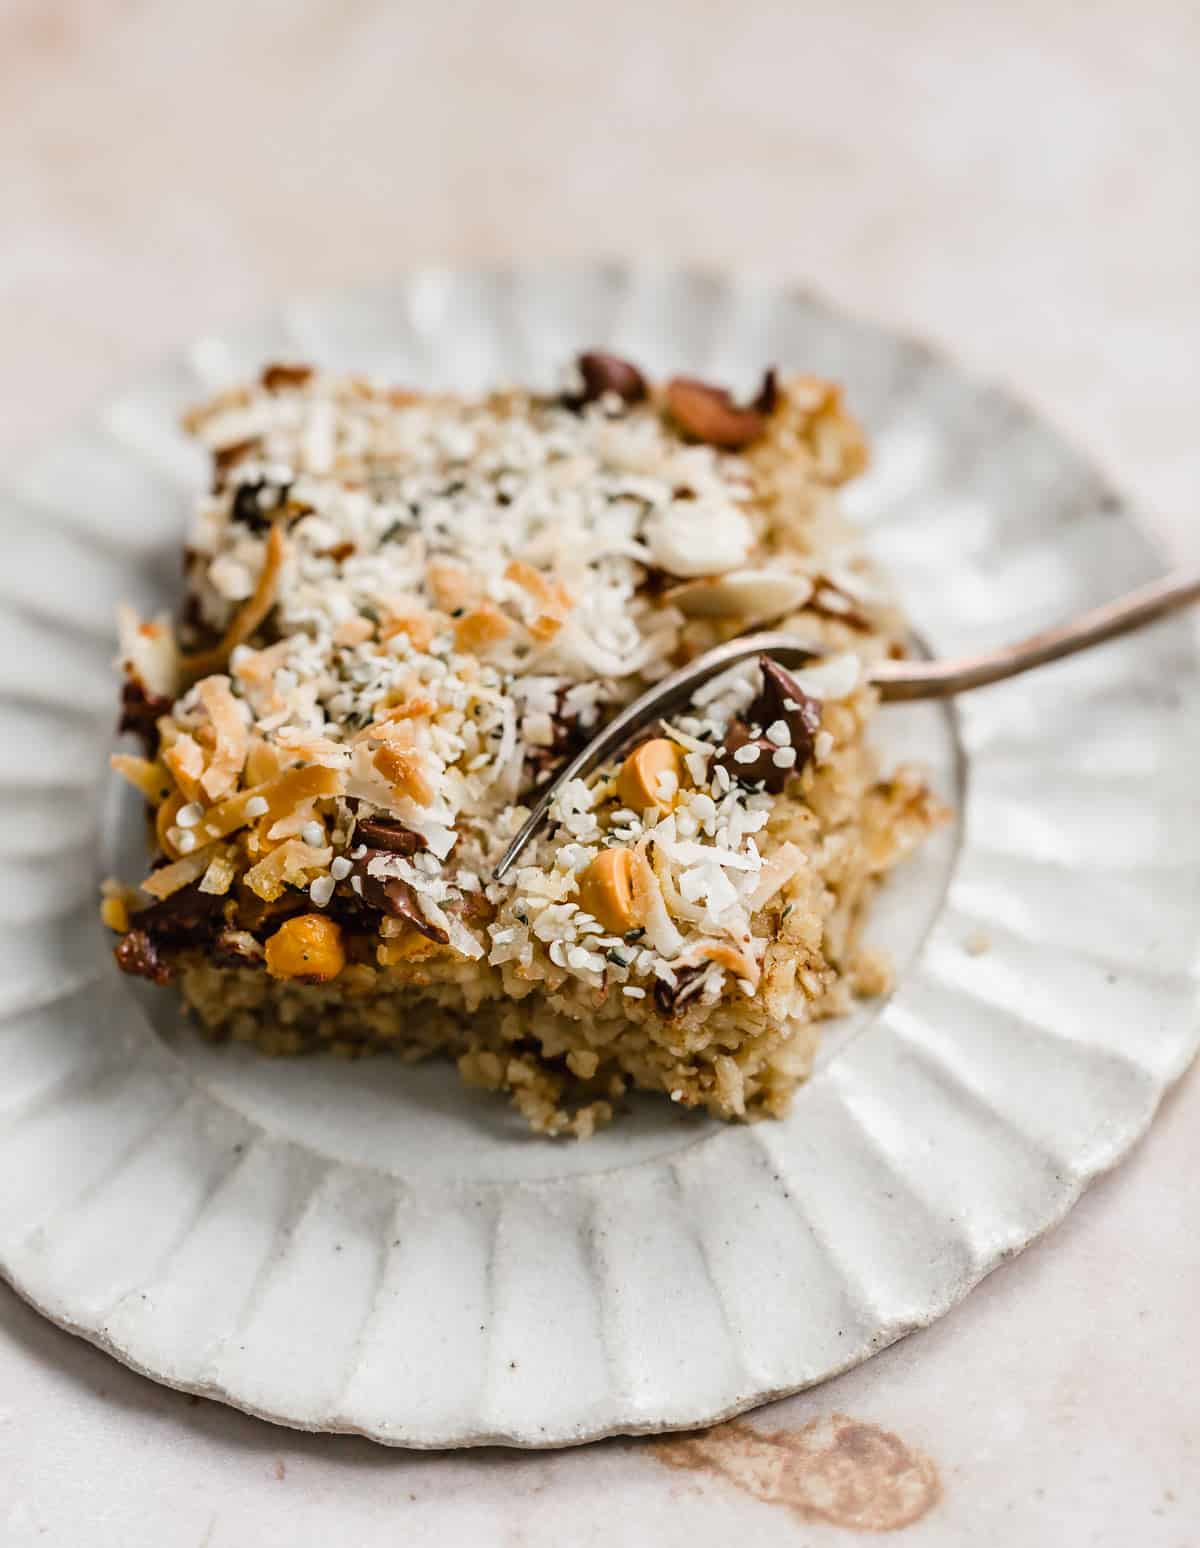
(896, 680)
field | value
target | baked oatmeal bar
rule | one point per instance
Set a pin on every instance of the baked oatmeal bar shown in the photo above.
(403, 613)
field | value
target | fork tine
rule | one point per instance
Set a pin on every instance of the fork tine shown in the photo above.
(673, 690)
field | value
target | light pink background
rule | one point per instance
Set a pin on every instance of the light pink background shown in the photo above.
(1018, 182)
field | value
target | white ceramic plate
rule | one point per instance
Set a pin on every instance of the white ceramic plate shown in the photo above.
(374, 1248)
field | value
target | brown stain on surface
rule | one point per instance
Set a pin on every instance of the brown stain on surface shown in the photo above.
(836, 1470)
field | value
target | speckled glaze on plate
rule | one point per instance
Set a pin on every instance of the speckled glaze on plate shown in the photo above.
(374, 1248)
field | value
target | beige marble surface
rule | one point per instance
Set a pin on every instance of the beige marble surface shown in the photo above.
(1017, 181)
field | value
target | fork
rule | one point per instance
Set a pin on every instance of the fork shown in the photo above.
(896, 680)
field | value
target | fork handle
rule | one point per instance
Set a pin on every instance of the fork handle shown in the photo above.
(898, 680)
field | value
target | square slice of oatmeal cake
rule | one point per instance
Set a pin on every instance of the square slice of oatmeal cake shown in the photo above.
(403, 613)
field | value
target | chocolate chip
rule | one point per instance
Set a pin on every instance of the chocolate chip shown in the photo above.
(392, 895)
(277, 377)
(263, 918)
(137, 955)
(140, 712)
(567, 737)
(669, 998)
(387, 833)
(709, 414)
(187, 918)
(780, 698)
(251, 510)
(761, 769)
(603, 373)
(664, 997)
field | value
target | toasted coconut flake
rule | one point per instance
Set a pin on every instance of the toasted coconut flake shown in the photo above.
(282, 795)
(777, 871)
(293, 824)
(220, 874)
(263, 761)
(725, 955)
(418, 625)
(452, 584)
(149, 778)
(354, 631)
(404, 771)
(477, 631)
(676, 903)
(164, 822)
(149, 653)
(255, 668)
(312, 747)
(418, 707)
(185, 759)
(169, 878)
(650, 908)
(551, 599)
(287, 866)
(232, 739)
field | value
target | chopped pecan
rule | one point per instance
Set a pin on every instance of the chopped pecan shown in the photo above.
(140, 712)
(767, 398)
(279, 376)
(387, 833)
(137, 955)
(709, 414)
(392, 895)
(603, 373)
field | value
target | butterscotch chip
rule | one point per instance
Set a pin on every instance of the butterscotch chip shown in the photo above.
(606, 890)
(650, 775)
(307, 947)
